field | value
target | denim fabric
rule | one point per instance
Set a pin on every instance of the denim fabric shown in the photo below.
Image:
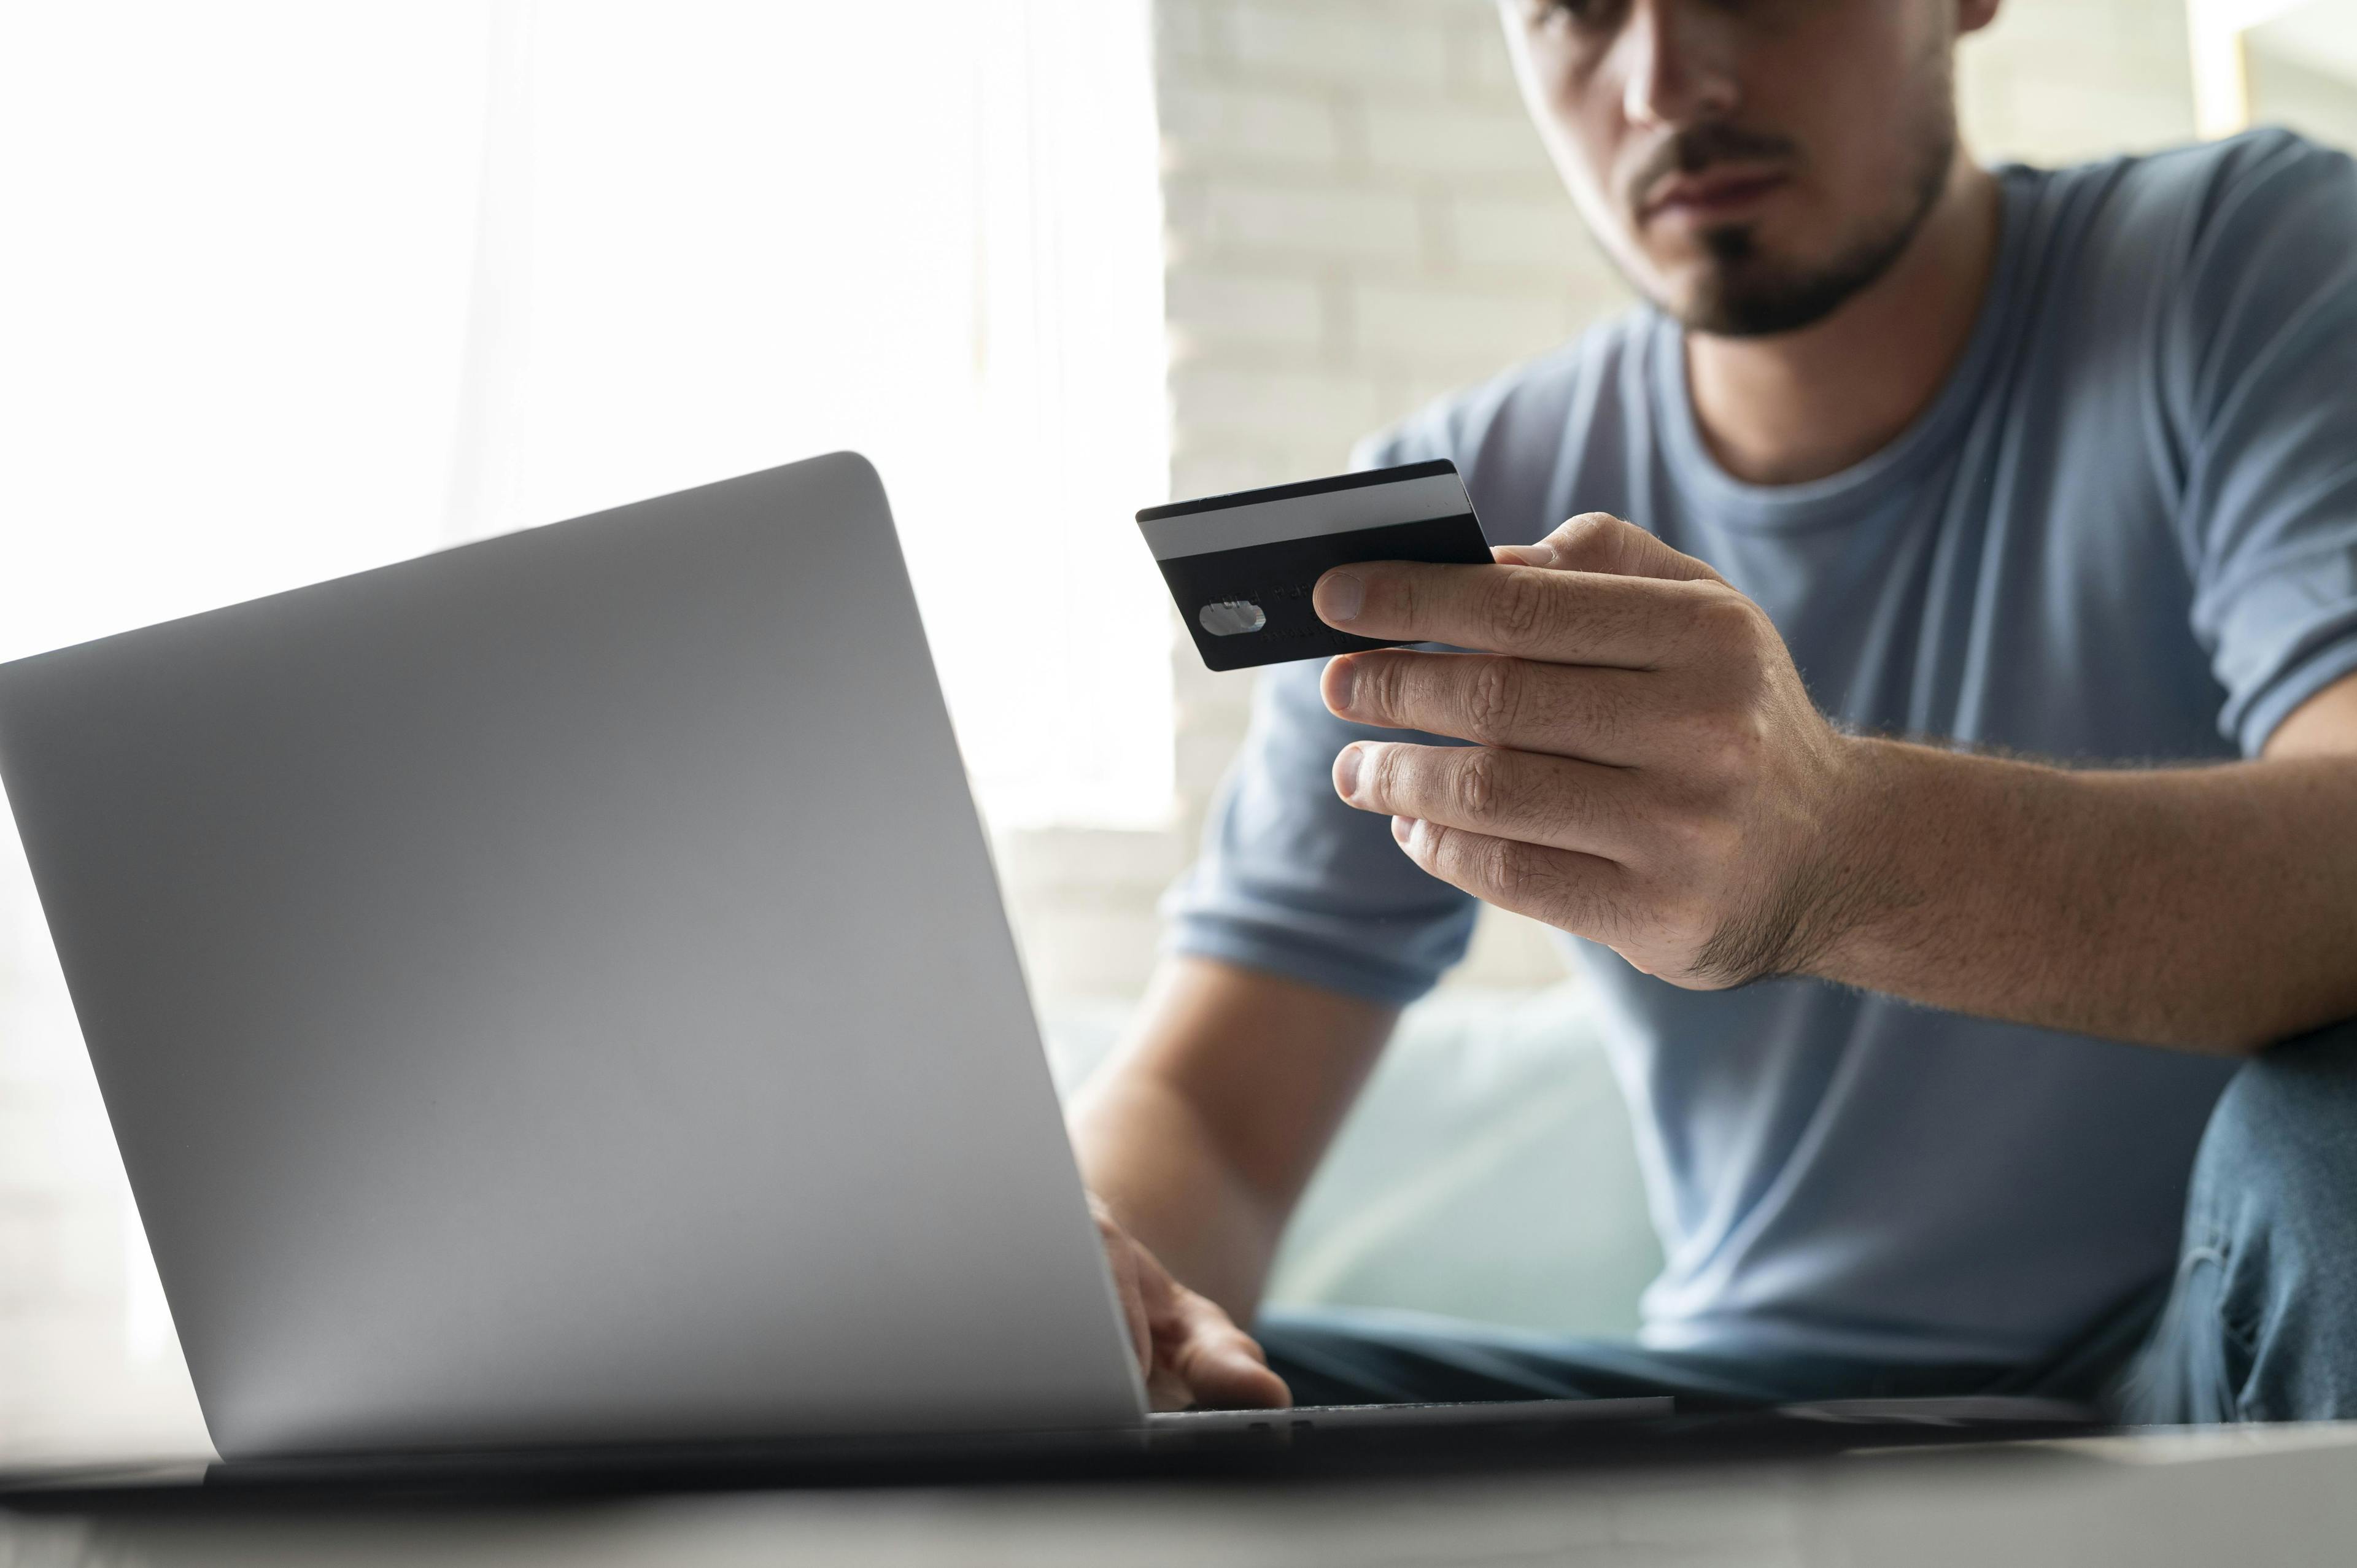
(1362, 1356)
(2259, 1322)
(1340, 1355)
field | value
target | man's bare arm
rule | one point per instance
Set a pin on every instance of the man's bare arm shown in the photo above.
(1649, 771)
(2212, 909)
(1202, 1133)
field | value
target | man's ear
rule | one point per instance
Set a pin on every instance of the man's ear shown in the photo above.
(1972, 16)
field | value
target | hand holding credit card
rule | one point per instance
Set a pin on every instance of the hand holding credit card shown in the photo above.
(1241, 567)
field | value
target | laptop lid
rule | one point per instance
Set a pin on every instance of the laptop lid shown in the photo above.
(556, 991)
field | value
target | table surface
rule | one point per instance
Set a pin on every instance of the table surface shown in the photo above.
(2282, 1495)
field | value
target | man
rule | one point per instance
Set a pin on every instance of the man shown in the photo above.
(1921, 1037)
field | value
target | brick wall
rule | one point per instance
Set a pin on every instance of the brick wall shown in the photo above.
(2286, 91)
(1359, 218)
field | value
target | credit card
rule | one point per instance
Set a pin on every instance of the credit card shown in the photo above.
(1241, 567)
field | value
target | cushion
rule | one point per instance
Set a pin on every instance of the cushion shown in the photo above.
(1487, 1172)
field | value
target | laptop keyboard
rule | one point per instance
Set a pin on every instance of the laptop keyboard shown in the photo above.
(1484, 1413)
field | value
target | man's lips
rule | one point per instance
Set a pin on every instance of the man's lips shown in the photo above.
(1714, 195)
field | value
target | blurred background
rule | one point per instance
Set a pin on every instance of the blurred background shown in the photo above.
(294, 290)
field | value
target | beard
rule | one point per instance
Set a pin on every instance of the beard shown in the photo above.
(1749, 292)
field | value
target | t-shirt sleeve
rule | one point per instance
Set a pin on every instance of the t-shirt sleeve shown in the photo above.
(1293, 881)
(2263, 380)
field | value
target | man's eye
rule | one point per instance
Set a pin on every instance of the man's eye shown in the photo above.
(1566, 13)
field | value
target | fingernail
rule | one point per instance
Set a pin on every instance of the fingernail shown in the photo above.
(1344, 674)
(1539, 555)
(1346, 772)
(1403, 828)
(1339, 596)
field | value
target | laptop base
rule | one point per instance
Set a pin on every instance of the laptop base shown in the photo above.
(1284, 1450)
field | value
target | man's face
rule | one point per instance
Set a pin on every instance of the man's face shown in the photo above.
(1748, 163)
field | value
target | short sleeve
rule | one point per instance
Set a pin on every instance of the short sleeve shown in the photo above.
(2264, 361)
(1293, 881)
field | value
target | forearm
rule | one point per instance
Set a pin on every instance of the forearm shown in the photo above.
(2210, 908)
(1649, 771)
(1202, 1133)
(1144, 1149)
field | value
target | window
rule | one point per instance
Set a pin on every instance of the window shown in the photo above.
(309, 288)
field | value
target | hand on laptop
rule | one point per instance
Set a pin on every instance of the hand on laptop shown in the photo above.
(1191, 1352)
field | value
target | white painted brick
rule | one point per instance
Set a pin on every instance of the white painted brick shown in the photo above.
(1342, 45)
(1524, 234)
(2060, 117)
(1216, 709)
(1279, 408)
(1984, 107)
(1479, 69)
(1078, 952)
(2042, 26)
(1090, 858)
(2067, 80)
(1187, 32)
(1462, 141)
(1217, 462)
(2284, 92)
(1404, 321)
(1194, 474)
(1258, 127)
(1405, 394)
(1204, 306)
(1312, 221)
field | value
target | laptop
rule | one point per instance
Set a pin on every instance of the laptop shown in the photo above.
(554, 995)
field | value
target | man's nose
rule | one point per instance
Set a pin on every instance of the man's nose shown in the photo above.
(1677, 64)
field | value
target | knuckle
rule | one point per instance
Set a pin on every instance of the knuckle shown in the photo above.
(1375, 686)
(1518, 604)
(1494, 702)
(1734, 744)
(1477, 787)
(1586, 707)
(1725, 616)
(1520, 881)
(1402, 597)
(1743, 742)
(1698, 840)
(1687, 922)
(1589, 542)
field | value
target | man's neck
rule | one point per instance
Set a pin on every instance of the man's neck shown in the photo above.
(1801, 406)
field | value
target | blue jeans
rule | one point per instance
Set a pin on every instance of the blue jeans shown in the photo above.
(2258, 1323)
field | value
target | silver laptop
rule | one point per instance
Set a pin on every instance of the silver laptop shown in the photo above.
(554, 991)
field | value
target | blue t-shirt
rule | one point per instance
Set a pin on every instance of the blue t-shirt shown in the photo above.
(2124, 531)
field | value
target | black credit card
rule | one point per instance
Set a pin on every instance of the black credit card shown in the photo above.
(1241, 567)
